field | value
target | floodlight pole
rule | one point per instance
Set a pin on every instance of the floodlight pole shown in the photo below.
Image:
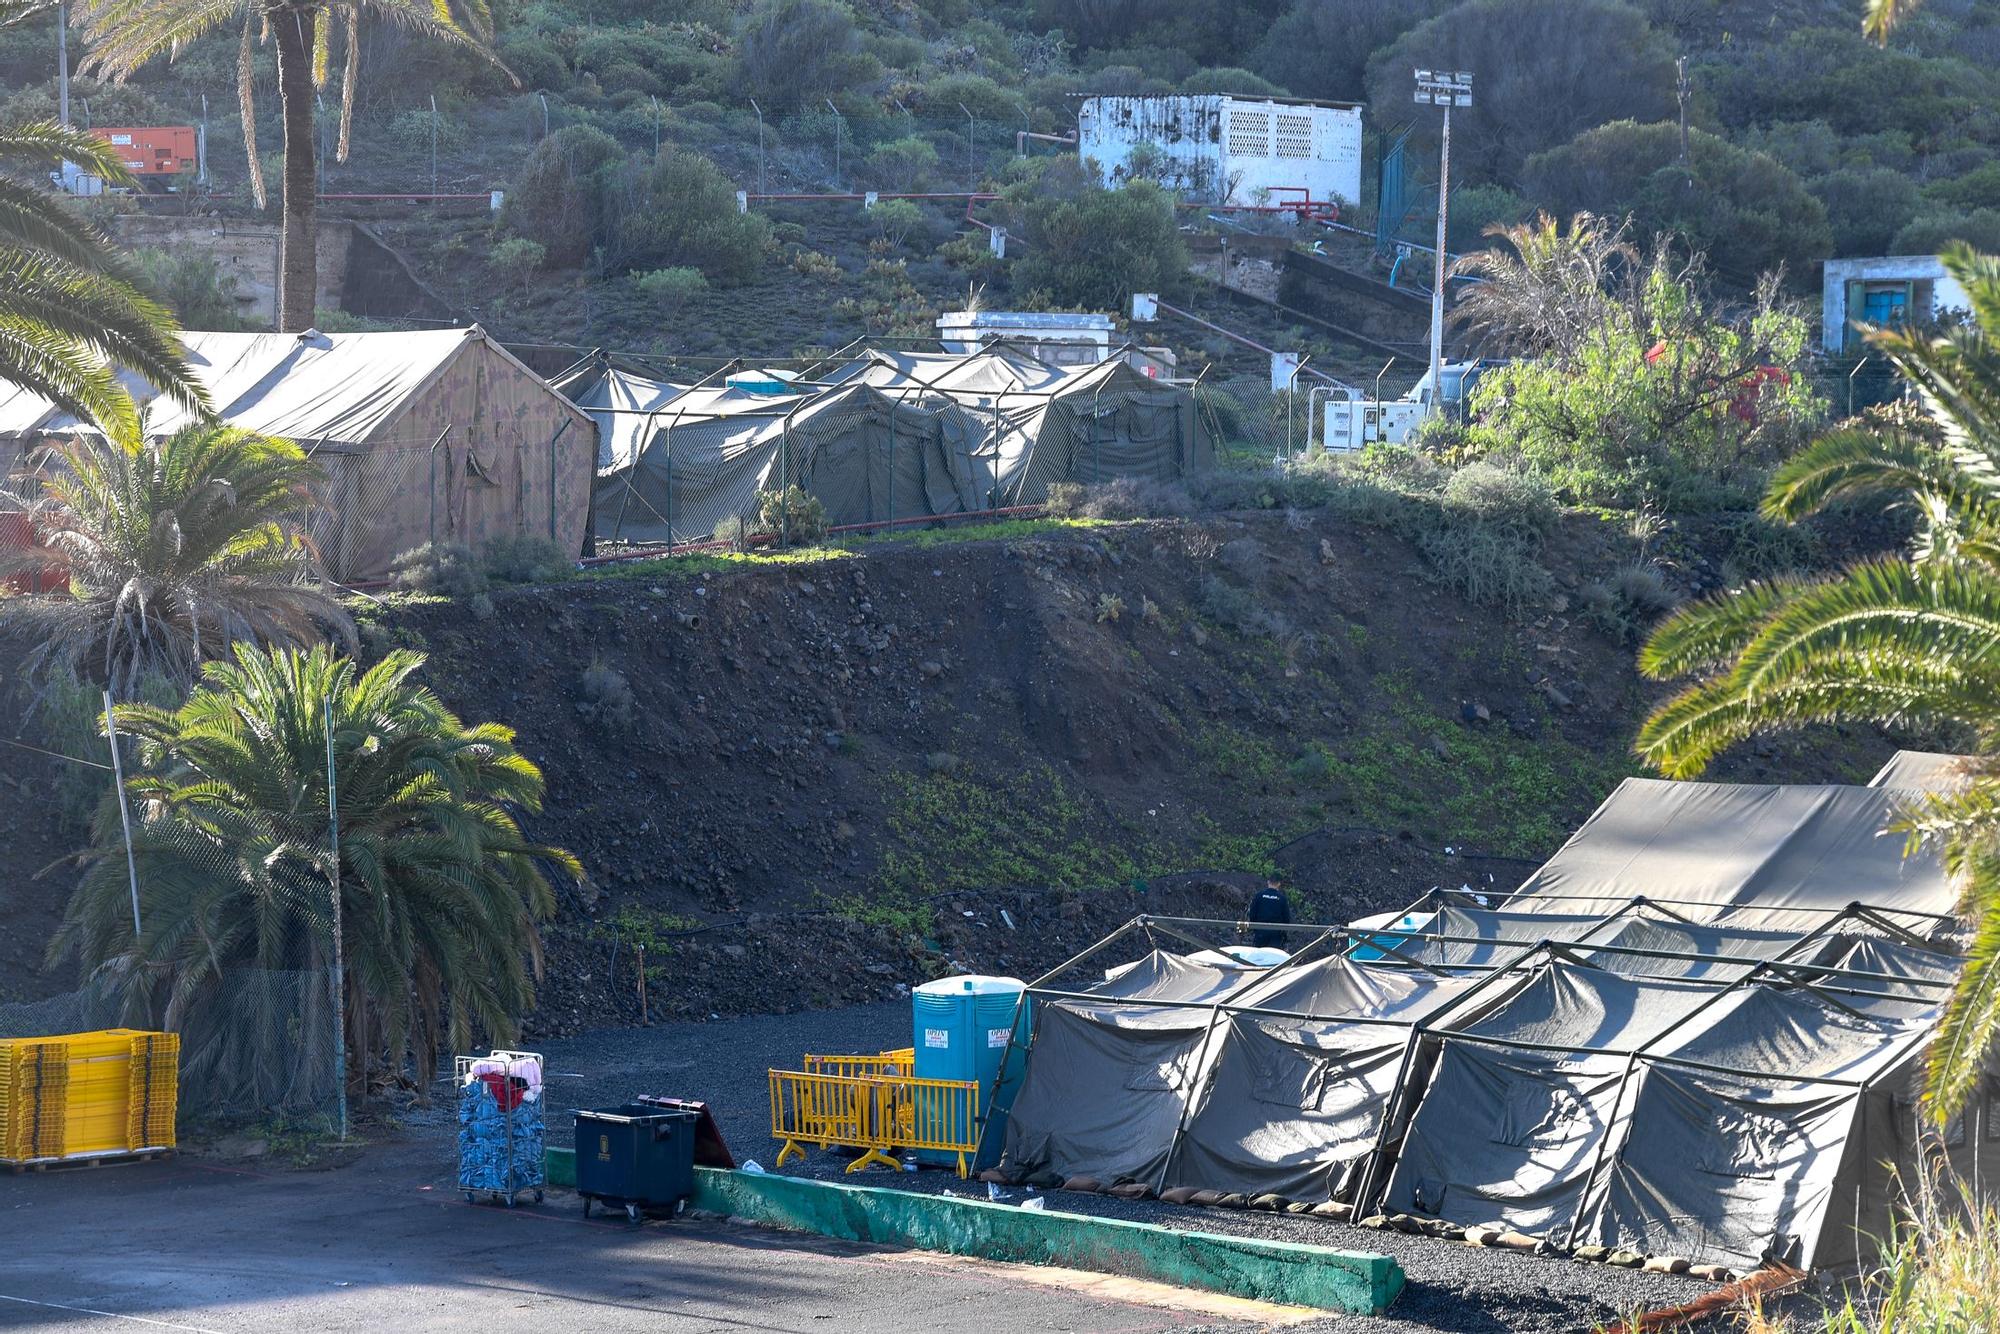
(760, 144)
(1446, 89)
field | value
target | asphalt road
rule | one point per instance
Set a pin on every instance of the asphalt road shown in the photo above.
(386, 1243)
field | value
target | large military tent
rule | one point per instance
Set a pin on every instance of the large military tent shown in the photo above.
(888, 436)
(434, 435)
(1718, 1064)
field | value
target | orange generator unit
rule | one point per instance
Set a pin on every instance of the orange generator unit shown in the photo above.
(158, 154)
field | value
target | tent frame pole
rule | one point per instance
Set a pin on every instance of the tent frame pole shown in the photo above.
(1552, 897)
(553, 441)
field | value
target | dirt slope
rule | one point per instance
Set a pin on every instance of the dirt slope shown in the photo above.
(831, 778)
(846, 769)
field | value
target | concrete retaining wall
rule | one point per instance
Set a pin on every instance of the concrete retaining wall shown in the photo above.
(1271, 1271)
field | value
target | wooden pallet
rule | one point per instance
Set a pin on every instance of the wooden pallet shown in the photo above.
(84, 1160)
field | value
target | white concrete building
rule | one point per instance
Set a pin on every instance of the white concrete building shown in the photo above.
(1889, 289)
(1229, 150)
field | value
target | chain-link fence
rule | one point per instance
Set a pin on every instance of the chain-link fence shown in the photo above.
(220, 928)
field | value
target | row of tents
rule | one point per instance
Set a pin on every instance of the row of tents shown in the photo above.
(446, 436)
(1697, 1031)
(883, 437)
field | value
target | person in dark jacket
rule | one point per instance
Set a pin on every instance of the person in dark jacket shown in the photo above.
(1270, 905)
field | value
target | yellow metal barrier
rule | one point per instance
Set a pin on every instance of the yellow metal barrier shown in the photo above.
(873, 1111)
(900, 1062)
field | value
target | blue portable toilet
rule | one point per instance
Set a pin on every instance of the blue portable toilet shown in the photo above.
(965, 1028)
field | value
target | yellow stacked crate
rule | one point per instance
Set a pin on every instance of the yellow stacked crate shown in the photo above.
(100, 1082)
(155, 1090)
(34, 1081)
(85, 1094)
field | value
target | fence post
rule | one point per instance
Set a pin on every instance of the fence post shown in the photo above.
(435, 446)
(339, 963)
(124, 812)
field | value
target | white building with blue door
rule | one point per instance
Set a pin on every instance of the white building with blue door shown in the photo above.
(1885, 290)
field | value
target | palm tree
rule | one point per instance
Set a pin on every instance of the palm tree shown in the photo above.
(177, 548)
(70, 315)
(1550, 288)
(121, 36)
(440, 891)
(1909, 642)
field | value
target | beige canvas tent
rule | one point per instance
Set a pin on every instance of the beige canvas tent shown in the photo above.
(433, 435)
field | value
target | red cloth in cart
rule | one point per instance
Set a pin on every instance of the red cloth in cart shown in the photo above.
(506, 1090)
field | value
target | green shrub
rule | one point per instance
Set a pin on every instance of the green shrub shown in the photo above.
(607, 695)
(193, 285)
(1747, 212)
(1477, 207)
(896, 220)
(984, 98)
(523, 558)
(909, 163)
(1931, 232)
(446, 569)
(1223, 413)
(535, 61)
(414, 131)
(1230, 79)
(1865, 207)
(681, 212)
(1093, 249)
(800, 51)
(1486, 564)
(1625, 605)
(671, 286)
(794, 515)
(558, 197)
(517, 257)
(1065, 499)
(1500, 498)
(1237, 610)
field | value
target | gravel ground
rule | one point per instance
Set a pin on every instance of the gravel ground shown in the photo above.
(1451, 1286)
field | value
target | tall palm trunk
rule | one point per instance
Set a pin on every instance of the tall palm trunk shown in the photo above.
(298, 250)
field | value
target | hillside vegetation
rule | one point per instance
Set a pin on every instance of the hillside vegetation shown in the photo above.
(633, 126)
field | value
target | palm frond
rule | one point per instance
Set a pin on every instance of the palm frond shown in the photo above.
(1705, 634)
(1882, 16)
(1972, 1020)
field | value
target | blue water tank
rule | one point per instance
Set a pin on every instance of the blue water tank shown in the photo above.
(963, 1030)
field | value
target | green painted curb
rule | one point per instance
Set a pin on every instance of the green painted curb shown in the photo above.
(1272, 1271)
